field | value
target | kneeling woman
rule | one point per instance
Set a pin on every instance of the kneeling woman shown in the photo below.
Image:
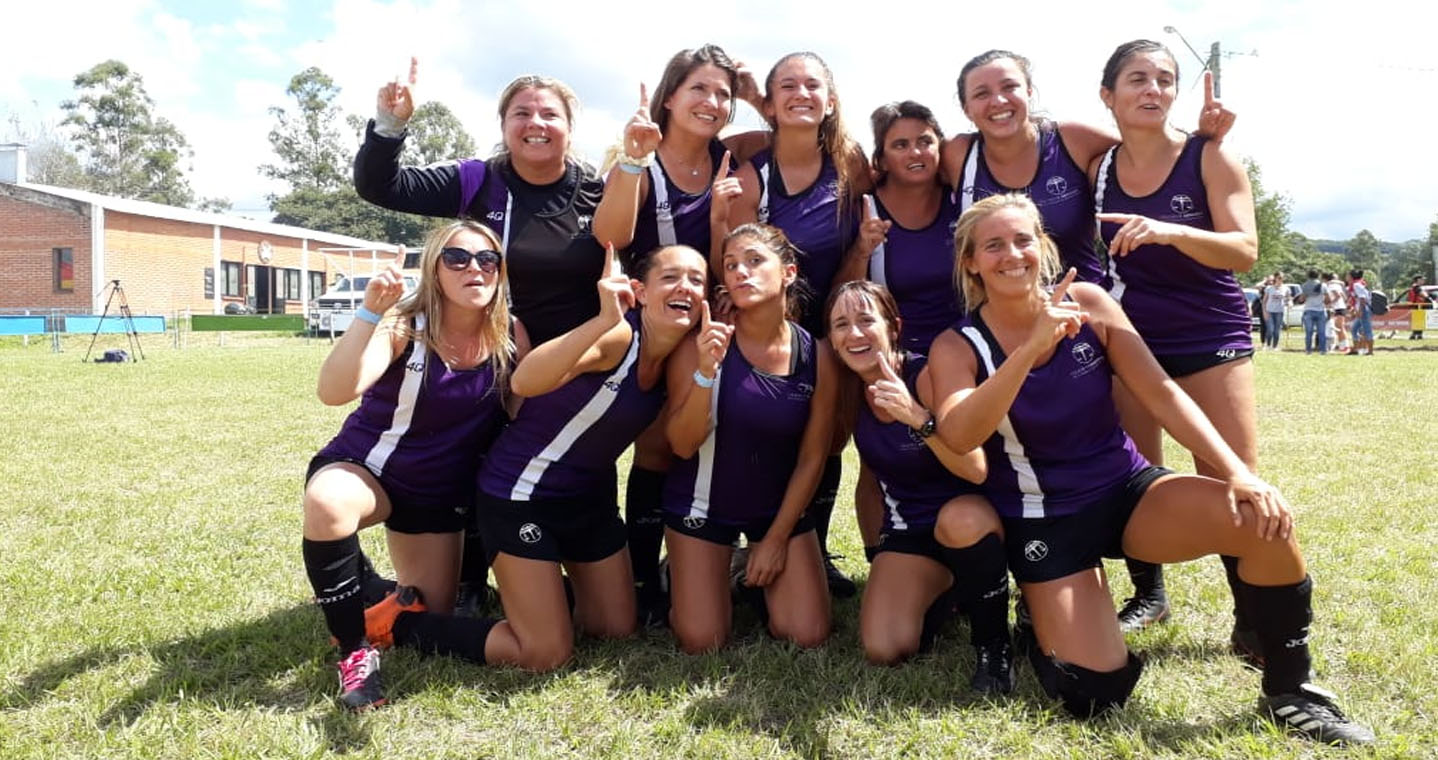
(1028, 375)
(752, 423)
(428, 377)
(941, 541)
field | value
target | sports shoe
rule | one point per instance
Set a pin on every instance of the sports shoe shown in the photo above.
(1024, 638)
(1139, 613)
(360, 687)
(993, 668)
(379, 619)
(652, 604)
(840, 585)
(1244, 644)
(1313, 712)
(475, 600)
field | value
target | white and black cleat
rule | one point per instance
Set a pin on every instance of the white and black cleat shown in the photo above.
(1314, 713)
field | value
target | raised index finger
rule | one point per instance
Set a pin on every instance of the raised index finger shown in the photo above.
(886, 368)
(724, 166)
(1063, 286)
(704, 320)
(643, 96)
(870, 210)
(413, 70)
(1207, 88)
(611, 264)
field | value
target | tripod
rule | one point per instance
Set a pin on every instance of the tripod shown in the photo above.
(129, 319)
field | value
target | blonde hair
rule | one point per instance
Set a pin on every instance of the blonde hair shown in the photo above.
(971, 286)
(537, 82)
(428, 300)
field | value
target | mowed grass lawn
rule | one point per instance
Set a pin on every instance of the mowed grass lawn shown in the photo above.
(155, 605)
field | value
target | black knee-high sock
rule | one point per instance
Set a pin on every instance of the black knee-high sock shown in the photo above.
(334, 571)
(981, 587)
(1241, 619)
(821, 507)
(644, 523)
(474, 565)
(429, 633)
(1147, 578)
(1281, 616)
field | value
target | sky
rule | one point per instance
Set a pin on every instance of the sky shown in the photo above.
(1311, 81)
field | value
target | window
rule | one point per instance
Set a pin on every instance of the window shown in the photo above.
(230, 278)
(317, 284)
(290, 284)
(64, 270)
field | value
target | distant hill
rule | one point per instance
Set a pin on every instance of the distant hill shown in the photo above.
(1341, 246)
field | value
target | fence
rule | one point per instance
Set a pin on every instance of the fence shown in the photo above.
(54, 323)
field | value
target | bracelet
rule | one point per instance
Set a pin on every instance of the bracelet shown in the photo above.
(702, 381)
(365, 315)
(630, 168)
(642, 162)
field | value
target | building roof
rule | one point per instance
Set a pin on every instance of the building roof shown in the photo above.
(161, 211)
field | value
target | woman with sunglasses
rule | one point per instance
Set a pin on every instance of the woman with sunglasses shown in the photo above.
(428, 369)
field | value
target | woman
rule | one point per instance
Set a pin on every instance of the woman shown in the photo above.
(1275, 304)
(1015, 150)
(808, 185)
(751, 423)
(941, 543)
(427, 370)
(1176, 212)
(532, 190)
(1337, 301)
(1028, 375)
(658, 194)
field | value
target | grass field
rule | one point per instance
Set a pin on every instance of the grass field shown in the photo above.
(155, 605)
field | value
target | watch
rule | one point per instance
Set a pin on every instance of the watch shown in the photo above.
(927, 429)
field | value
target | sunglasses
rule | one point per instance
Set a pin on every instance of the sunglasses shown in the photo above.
(457, 260)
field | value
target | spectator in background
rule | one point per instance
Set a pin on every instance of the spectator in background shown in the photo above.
(1275, 301)
(1258, 312)
(1315, 314)
(1360, 304)
(1337, 300)
(1415, 296)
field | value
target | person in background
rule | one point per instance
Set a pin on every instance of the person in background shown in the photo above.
(1360, 304)
(1337, 299)
(1315, 315)
(1275, 303)
(1415, 296)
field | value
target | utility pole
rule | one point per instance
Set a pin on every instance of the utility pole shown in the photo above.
(1212, 65)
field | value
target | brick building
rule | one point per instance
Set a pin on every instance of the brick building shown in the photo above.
(60, 248)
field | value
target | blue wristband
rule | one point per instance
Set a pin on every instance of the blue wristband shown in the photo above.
(631, 168)
(702, 381)
(365, 315)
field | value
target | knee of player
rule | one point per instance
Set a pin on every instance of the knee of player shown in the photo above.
(546, 655)
(700, 640)
(805, 633)
(962, 525)
(328, 514)
(1085, 693)
(886, 646)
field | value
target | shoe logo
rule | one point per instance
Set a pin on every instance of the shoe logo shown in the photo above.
(1035, 550)
(529, 533)
(694, 523)
(1296, 643)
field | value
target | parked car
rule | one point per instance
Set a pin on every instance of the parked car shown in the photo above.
(1292, 315)
(333, 311)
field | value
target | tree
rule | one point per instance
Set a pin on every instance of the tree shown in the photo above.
(435, 134)
(1271, 212)
(309, 143)
(50, 161)
(1365, 253)
(123, 147)
(215, 205)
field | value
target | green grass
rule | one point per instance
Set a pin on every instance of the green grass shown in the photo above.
(155, 605)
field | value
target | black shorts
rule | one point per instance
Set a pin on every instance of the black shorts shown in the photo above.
(585, 529)
(1340, 312)
(716, 533)
(920, 542)
(1045, 548)
(1182, 365)
(406, 515)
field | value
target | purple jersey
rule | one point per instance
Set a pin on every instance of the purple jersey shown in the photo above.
(1178, 305)
(917, 266)
(422, 428)
(1059, 189)
(1060, 446)
(670, 216)
(741, 471)
(914, 482)
(563, 444)
(812, 220)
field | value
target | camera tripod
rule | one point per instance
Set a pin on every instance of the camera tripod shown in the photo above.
(125, 315)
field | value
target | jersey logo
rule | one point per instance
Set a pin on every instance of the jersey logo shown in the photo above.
(1181, 205)
(415, 367)
(1056, 185)
(662, 205)
(694, 523)
(495, 216)
(611, 385)
(1226, 353)
(586, 225)
(530, 533)
(1084, 353)
(1035, 550)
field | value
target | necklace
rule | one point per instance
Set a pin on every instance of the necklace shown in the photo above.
(693, 170)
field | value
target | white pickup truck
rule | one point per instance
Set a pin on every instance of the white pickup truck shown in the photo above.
(333, 311)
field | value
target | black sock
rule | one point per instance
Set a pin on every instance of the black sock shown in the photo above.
(474, 565)
(938, 614)
(430, 633)
(1281, 616)
(1241, 619)
(1147, 578)
(644, 523)
(334, 571)
(870, 552)
(981, 586)
(821, 507)
(375, 586)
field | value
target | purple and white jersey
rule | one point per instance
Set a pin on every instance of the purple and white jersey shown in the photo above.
(670, 216)
(741, 471)
(563, 444)
(914, 482)
(917, 266)
(1060, 447)
(422, 428)
(1178, 305)
(1059, 189)
(812, 220)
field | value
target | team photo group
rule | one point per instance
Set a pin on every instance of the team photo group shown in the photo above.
(1002, 323)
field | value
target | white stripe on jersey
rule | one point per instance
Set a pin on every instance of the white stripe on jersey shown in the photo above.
(893, 504)
(508, 214)
(582, 421)
(763, 215)
(1033, 495)
(1100, 186)
(663, 215)
(404, 404)
(971, 172)
(877, 274)
(704, 478)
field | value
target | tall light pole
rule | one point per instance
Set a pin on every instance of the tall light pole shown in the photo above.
(1211, 64)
